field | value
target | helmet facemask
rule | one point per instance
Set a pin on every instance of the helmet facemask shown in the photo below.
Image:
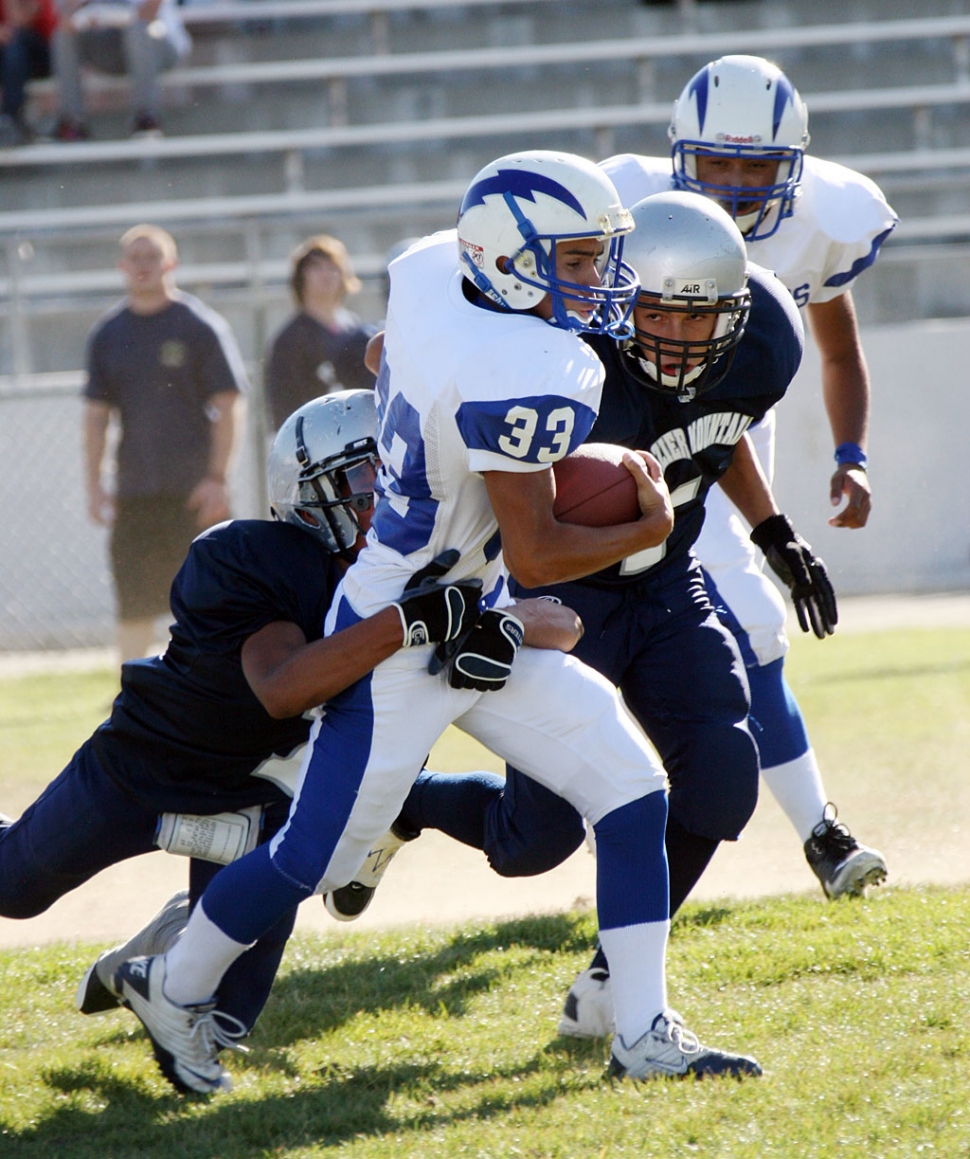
(700, 363)
(333, 493)
(758, 210)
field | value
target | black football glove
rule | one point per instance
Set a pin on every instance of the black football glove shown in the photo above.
(802, 572)
(483, 658)
(433, 612)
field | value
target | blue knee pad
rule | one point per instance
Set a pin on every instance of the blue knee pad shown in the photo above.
(776, 720)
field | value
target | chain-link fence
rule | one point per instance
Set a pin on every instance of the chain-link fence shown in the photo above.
(55, 583)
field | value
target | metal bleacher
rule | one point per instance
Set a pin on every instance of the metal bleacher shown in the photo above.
(376, 142)
(366, 118)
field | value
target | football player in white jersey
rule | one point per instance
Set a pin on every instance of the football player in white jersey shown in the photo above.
(739, 133)
(484, 384)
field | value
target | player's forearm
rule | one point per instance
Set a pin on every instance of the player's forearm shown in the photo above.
(744, 483)
(547, 624)
(845, 389)
(565, 551)
(289, 676)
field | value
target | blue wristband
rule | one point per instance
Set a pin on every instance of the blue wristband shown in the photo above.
(851, 453)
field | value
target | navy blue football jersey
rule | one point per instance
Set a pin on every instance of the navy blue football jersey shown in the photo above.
(188, 720)
(694, 441)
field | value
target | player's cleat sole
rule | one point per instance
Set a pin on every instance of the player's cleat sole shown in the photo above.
(670, 1050)
(96, 993)
(843, 866)
(347, 903)
(588, 1009)
(186, 1039)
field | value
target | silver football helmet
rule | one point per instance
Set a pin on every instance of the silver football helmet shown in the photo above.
(513, 214)
(742, 106)
(322, 466)
(690, 258)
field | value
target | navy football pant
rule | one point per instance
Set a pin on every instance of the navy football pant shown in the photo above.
(683, 678)
(81, 824)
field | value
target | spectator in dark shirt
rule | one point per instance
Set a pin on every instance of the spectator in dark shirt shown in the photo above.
(26, 27)
(321, 348)
(169, 370)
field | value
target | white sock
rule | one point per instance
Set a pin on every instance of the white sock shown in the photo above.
(797, 787)
(637, 957)
(194, 966)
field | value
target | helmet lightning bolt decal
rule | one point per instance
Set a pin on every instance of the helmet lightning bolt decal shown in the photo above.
(520, 183)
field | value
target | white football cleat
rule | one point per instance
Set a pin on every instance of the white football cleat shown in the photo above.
(186, 1039)
(588, 1009)
(96, 993)
(670, 1050)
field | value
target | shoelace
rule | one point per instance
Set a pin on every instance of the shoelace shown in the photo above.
(832, 833)
(685, 1040)
(214, 1037)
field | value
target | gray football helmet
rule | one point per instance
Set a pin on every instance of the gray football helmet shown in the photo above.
(690, 257)
(322, 466)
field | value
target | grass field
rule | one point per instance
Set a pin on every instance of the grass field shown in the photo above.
(442, 1042)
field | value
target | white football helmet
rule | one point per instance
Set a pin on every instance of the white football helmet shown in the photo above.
(517, 209)
(742, 106)
(322, 466)
(690, 258)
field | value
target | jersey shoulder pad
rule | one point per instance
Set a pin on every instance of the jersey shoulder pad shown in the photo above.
(770, 352)
(528, 397)
(848, 207)
(637, 177)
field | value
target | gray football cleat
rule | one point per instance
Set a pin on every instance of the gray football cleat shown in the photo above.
(843, 866)
(186, 1039)
(670, 1050)
(96, 993)
(588, 1009)
(348, 902)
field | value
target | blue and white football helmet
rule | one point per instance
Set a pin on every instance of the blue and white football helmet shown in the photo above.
(322, 466)
(517, 209)
(742, 106)
(690, 258)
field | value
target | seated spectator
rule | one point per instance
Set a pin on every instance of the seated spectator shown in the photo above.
(321, 348)
(26, 27)
(140, 38)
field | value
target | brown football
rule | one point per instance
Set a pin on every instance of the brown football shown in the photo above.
(594, 488)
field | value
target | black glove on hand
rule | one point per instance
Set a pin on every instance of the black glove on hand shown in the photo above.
(483, 659)
(433, 612)
(802, 572)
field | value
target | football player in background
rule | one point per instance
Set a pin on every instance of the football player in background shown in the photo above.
(739, 134)
(484, 383)
(204, 743)
(717, 342)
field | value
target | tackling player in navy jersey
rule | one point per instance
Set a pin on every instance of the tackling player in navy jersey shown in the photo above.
(205, 741)
(484, 384)
(739, 135)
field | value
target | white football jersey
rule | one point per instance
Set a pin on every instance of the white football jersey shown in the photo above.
(840, 220)
(462, 390)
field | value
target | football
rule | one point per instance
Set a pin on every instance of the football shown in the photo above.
(594, 488)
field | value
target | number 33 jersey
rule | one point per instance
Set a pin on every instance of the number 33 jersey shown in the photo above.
(462, 390)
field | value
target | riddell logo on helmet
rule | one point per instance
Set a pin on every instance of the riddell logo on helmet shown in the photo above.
(731, 139)
(475, 253)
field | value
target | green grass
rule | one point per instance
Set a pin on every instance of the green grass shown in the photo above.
(442, 1043)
